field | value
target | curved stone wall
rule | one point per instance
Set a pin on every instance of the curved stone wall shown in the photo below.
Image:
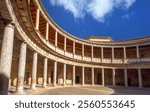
(104, 63)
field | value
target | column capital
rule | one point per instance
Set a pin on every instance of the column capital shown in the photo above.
(8, 21)
(24, 42)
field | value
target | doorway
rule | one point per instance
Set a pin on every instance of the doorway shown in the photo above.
(77, 80)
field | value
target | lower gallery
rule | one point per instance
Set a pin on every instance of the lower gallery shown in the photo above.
(35, 51)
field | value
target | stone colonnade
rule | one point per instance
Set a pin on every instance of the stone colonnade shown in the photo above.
(6, 62)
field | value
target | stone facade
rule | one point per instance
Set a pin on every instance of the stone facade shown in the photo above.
(35, 51)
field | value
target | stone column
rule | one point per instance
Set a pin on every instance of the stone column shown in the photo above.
(114, 77)
(64, 81)
(126, 77)
(55, 73)
(112, 54)
(137, 51)
(34, 71)
(124, 53)
(74, 48)
(37, 19)
(65, 43)
(56, 38)
(82, 51)
(45, 72)
(21, 69)
(140, 78)
(103, 77)
(102, 54)
(6, 57)
(74, 75)
(47, 30)
(92, 54)
(82, 75)
(92, 76)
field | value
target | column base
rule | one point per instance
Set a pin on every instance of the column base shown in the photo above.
(44, 85)
(54, 85)
(103, 85)
(34, 88)
(20, 93)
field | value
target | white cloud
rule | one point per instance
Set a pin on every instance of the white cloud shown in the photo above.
(76, 7)
(126, 16)
(98, 9)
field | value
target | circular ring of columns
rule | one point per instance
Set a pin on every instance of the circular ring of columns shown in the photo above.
(107, 60)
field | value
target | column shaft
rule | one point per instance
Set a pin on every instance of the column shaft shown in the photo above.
(137, 51)
(82, 50)
(126, 77)
(6, 58)
(65, 44)
(102, 54)
(45, 72)
(55, 73)
(92, 54)
(93, 76)
(64, 81)
(114, 77)
(34, 71)
(112, 54)
(37, 19)
(74, 48)
(47, 30)
(21, 69)
(82, 75)
(56, 38)
(140, 78)
(74, 76)
(103, 77)
(124, 53)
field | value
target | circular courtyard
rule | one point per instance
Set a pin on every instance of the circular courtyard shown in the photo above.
(97, 90)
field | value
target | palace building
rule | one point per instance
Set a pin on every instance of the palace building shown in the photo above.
(36, 51)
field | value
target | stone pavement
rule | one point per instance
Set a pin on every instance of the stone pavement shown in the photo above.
(84, 90)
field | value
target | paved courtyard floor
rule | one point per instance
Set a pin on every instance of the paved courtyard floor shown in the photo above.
(84, 90)
(98, 90)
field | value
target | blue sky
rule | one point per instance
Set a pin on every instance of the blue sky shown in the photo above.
(119, 19)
